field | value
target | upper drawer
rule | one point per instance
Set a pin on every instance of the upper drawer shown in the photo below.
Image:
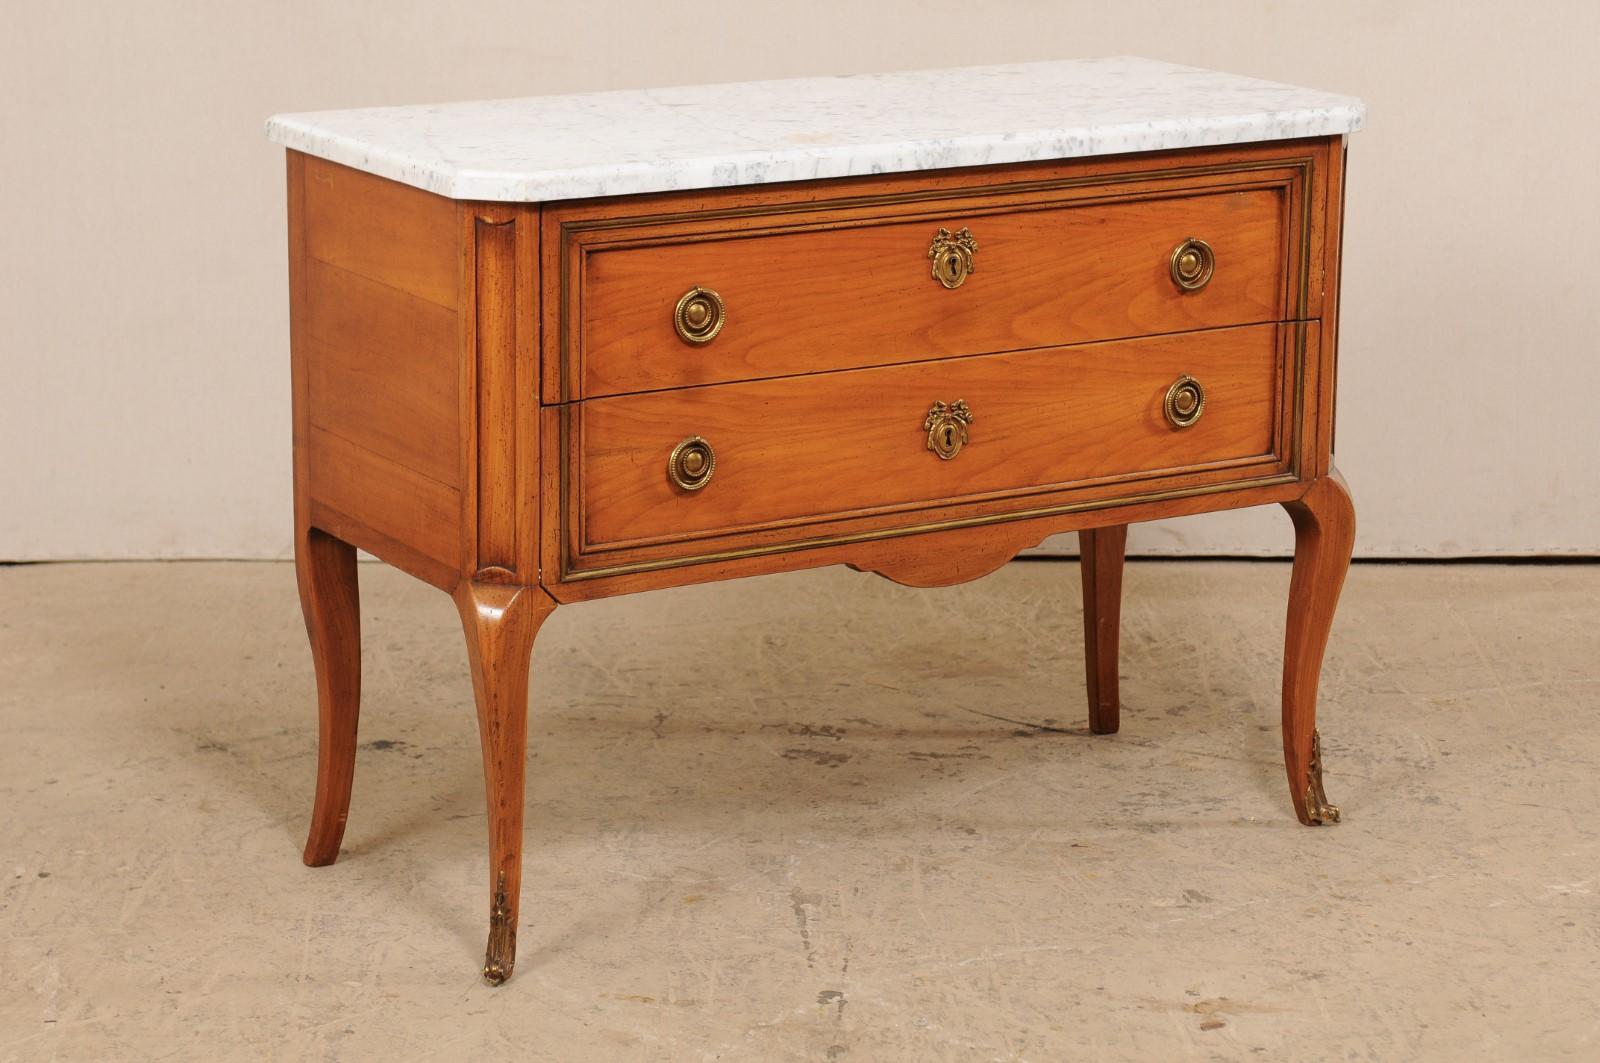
(855, 286)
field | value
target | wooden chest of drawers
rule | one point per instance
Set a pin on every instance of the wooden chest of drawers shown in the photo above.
(534, 402)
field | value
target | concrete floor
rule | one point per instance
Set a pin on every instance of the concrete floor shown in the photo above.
(806, 817)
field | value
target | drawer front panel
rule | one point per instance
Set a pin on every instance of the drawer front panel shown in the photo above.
(863, 293)
(797, 451)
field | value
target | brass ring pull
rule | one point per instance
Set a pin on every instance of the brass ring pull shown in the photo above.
(692, 463)
(946, 426)
(699, 315)
(1185, 401)
(1192, 264)
(952, 255)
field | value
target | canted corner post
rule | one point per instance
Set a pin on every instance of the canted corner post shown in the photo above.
(501, 622)
(1324, 538)
(1100, 554)
(325, 568)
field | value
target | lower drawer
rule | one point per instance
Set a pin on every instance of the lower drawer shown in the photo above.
(796, 452)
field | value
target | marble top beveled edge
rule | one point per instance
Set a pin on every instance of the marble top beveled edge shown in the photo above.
(629, 142)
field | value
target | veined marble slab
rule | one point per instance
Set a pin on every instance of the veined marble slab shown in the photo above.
(620, 143)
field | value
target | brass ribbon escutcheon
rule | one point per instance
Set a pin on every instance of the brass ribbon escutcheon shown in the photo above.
(946, 426)
(952, 255)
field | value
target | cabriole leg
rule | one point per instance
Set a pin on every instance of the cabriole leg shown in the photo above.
(500, 623)
(1324, 536)
(326, 570)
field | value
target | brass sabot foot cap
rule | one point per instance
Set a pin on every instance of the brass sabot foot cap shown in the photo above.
(497, 971)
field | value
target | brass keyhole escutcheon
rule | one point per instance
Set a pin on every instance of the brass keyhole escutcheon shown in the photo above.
(952, 255)
(946, 425)
(691, 464)
(1185, 401)
(1192, 264)
(699, 315)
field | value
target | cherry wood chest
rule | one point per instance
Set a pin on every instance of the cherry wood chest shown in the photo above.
(529, 399)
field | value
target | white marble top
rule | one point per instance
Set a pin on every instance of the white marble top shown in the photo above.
(618, 143)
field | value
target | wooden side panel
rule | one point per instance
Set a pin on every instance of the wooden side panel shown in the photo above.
(402, 516)
(383, 371)
(380, 447)
(393, 233)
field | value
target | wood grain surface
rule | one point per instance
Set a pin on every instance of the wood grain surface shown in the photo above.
(812, 447)
(864, 295)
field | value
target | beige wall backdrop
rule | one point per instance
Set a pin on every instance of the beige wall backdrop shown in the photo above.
(144, 400)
